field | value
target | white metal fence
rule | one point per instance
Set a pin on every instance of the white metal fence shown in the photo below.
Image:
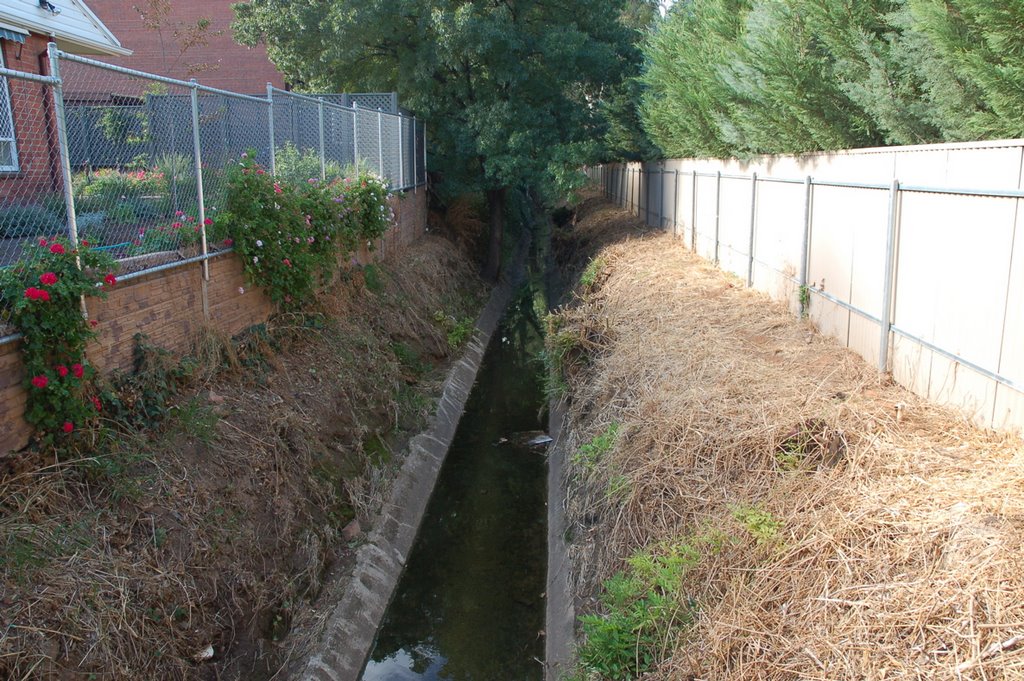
(118, 156)
(918, 275)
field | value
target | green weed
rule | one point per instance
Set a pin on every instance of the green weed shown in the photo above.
(591, 273)
(590, 453)
(761, 524)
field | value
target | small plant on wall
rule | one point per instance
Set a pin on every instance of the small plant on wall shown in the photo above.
(43, 292)
(290, 235)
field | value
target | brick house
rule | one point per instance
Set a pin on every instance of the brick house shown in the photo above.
(29, 158)
(228, 65)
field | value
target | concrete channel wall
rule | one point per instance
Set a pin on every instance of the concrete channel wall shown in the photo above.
(352, 625)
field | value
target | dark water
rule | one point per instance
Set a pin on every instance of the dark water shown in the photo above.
(470, 606)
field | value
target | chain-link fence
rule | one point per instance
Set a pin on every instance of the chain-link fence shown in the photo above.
(135, 162)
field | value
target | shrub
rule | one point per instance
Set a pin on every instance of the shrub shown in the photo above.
(290, 235)
(43, 291)
(297, 166)
(29, 220)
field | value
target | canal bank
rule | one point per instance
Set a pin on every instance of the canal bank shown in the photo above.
(354, 620)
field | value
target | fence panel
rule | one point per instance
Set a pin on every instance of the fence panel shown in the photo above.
(948, 259)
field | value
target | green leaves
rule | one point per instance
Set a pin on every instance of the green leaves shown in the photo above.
(291, 234)
(43, 291)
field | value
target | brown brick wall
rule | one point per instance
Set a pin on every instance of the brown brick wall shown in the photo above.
(34, 131)
(168, 307)
(236, 67)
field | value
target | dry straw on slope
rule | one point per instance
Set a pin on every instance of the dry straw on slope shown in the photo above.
(899, 551)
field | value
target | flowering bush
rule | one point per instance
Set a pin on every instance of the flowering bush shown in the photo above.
(43, 292)
(290, 235)
(181, 230)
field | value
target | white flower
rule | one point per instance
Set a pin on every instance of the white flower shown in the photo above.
(241, 290)
(259, 243)
(255, 260)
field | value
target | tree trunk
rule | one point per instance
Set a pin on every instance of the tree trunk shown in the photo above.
(496, 209)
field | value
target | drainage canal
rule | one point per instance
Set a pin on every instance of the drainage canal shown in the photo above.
(470, 605)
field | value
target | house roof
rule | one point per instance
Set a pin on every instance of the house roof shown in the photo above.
(74, 27)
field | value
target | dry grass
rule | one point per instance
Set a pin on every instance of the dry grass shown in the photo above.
(219, 527)
(902, 526)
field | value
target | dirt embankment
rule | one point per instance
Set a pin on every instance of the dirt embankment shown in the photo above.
(196, 546)
(785, 512)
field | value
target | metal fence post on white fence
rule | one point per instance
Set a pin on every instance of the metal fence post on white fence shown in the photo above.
(718, 211)
(60, 114)
(380, 142)
(890, 273)
(805, 250)
(753, 229)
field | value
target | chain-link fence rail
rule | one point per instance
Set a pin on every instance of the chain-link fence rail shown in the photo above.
(135, 162)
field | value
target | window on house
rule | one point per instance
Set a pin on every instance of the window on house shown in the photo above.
(8, 144)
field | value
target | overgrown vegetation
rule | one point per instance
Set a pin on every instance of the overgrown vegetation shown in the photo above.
(216, 485)
(741, 77)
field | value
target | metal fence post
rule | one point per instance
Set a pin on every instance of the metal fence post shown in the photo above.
(355, 136)
(805, 263)
(380, 145)
(401, 153)
(675, 203)
(693, 215)
(200, 196)
(753, 221)
(661, 197)
(270, 115)
(62, 143)
(890, 271)
(323, 156)
(415, 173)
(65, 158)
(718, 211)
(426, 178)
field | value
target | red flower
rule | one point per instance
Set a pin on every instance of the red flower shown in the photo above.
(207, 222)
(57, 249)
(62, 371)
(93, 323)
(229, 242)
(68, 426)
(77, 370)
(287, 262)
(40, 381)
(33, 293)
(47, 278)
(96, 403)
(260, 171)
(43, 241)
(277, 188)
(110, 279)
(176, 225)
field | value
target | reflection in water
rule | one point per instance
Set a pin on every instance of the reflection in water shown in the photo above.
(470, 606)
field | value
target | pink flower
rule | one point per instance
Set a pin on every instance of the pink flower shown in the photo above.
(68, 426)
(287, 262)
(48, 279)
(77, 370)
(43, 241)
(57, 249)
(277, 188)
(176, 225)
(179, 213)
(261, 171)
(310, 240)
(189, 218)
(40, 381)
(245, 155)
(62, 371)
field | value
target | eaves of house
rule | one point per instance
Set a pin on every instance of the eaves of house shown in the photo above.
(69, 23)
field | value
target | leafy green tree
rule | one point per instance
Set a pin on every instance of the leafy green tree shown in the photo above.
(972, 56)
(687, 100)
(510, 88)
